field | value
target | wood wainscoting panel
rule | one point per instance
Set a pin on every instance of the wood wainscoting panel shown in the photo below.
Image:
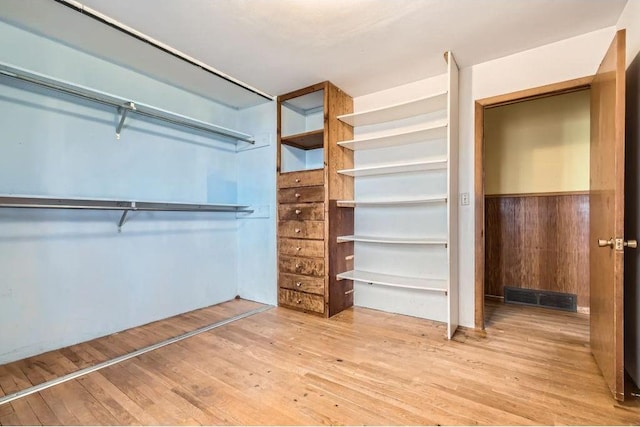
(538, 242)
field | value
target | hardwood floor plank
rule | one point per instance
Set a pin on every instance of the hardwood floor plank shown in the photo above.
(531, 366)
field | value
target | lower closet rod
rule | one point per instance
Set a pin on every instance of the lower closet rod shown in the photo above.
(36, 388)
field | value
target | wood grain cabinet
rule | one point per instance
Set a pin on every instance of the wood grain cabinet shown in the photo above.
(309, 219)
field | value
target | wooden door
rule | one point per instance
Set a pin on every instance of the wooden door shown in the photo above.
(606, 215)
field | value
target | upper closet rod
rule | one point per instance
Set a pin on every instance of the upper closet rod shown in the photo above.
(123, 105)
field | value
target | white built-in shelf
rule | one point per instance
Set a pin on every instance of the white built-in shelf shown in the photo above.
(436, 130)
(123, 105)
(392, 240)
(397, 202)
(396, 168)
(399, 111)
(417, 283)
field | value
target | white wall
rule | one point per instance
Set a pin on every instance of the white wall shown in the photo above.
(69, 276)
(630, 19)
(256, 176)
(565, 60)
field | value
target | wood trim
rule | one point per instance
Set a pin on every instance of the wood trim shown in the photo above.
(495, 101)
(537, 92)
(479, 221)
(551, 194)
(303, 91)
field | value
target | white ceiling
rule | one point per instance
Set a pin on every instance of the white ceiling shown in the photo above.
(360, 45)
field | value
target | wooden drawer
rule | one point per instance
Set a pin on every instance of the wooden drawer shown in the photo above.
(301, 178)
(301, 247)
(301, 229)
(301, 300)
(312, 285)
(301, 195)
(301, 211)
(306, 266)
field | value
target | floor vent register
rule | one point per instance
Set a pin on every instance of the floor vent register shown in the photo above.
(540, 298)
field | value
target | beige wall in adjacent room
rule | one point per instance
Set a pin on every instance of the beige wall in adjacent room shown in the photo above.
(538, 146)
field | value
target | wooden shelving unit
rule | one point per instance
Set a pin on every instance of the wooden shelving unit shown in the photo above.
(309, 220)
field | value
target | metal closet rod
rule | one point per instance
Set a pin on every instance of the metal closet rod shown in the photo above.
(115, 205)
(123, 105)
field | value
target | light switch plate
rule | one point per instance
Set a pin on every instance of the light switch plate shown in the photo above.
(464, 199)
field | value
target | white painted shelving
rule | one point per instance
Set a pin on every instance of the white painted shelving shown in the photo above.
(442, 198)
(392, 240)
(435, 130)
(415, 107)
(396, 168)
(420, 284)
(417, 196)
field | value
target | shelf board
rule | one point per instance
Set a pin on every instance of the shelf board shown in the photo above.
(417, 283)
(436, 130)
(399, 111)
(396, 168)
(398, 202)
(392, 240)
(306, 140)
(123, 105)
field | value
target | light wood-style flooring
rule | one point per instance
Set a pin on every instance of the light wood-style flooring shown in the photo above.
(532, 366)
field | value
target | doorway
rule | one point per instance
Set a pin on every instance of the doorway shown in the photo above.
(536, 157)
(480, 109)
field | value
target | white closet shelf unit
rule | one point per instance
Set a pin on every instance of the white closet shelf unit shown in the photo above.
(432, 119)
(396, 168)
(44, 202)
(123, 105)
(421, 284)
(392, 240)
(392, 202)
(435, 130)
(403, 110)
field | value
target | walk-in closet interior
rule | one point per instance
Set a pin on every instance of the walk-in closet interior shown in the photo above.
(300, 213)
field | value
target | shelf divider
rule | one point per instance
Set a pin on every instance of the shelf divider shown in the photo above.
(123, 105)
(398, 202)
(437, 130)
(306, 140)
(415, 107)
(421, 284)
(396, 168)
(393, 240)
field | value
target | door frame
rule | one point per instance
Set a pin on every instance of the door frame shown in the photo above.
(480, 105)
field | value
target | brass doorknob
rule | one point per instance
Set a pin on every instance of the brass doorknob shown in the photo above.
(604, 243)
(631, 244)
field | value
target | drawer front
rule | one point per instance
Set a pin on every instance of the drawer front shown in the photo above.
(301, 178)
(301, 229)
(301, 300)
(301, 247)
(301, 195)
(312, 285)
(306, 266)
(301, 211)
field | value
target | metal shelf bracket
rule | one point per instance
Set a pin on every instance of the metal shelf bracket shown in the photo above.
(123, 110)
